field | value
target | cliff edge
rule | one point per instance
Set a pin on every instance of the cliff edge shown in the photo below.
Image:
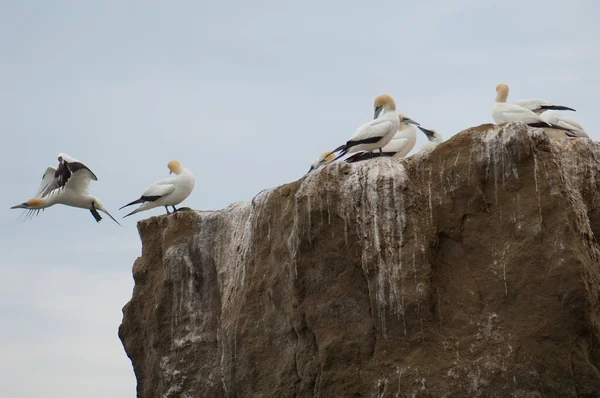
(472, 270)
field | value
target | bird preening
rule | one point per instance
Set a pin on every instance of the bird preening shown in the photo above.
(388, 134)
(168, 192)
(535, 114)
(391, 135)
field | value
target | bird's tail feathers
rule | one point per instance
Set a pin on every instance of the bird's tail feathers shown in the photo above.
(110, 215)
(135, 202)
(133, 212)
(340, 148)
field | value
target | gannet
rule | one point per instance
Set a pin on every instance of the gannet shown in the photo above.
(66, 185)
(378, 132)
(433, 139)
(537, 106)
(323, 159)
(555, 118)
(168, 192)
(401, 144)
(503, 112)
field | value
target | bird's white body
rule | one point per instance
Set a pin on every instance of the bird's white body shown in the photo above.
(168, 192)
(558, 119)
(503, 112)
(403, 141)
(69, 197)
(173, 190)
(385, 127)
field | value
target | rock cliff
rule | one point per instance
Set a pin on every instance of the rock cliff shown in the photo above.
(472, 270)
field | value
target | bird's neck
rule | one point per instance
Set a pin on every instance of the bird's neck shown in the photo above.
(49, 200)
(501, 97)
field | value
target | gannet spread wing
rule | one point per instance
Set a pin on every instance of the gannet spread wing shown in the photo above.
(80, 181)
(47, 179)
(67, 166)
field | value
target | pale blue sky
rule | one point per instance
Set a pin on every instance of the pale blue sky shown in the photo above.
(244, 94)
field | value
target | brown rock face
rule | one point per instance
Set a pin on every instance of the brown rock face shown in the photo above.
(472, 270)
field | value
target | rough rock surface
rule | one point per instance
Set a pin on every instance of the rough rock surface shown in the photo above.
(472, 270)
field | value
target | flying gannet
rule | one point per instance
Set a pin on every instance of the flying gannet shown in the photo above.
(503, 112)
(433, 139)
(401, 144)
(555, 118)
(322, 160)
(168, 192)
(378, 132)
(67, 185)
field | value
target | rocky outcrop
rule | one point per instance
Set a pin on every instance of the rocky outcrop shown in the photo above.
(472, 270)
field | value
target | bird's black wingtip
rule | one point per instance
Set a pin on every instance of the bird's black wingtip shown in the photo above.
(556, 108)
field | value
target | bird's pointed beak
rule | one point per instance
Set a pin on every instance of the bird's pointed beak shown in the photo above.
(429, 133)
(408, 120)
(311, 169)
(21, 206)
(378, 110)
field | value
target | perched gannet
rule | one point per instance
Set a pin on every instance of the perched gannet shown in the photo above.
(168, 192)
(401, 144)
(378, 132)
(537, 106)
(434, 139)
(66, 185)
(503, 112)
(555, 118)
(323, 159)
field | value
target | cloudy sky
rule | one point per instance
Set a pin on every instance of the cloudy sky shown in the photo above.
(245, 94)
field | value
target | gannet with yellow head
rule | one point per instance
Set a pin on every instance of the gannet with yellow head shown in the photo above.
(378, 132)
(401, 144)
(323, 159)
(503, 112)
(168, 192)
(66, 185)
